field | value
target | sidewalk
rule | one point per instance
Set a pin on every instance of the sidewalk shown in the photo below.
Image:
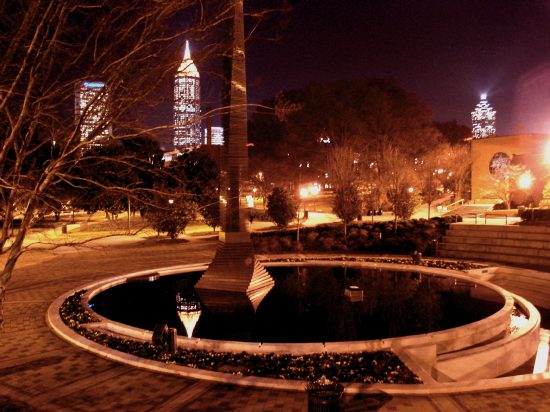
(40, 372)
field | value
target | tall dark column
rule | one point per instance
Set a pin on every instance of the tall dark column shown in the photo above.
(235, 162)
(233, 268)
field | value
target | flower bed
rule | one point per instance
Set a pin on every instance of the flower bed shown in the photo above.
(433, 263)
(362, 367)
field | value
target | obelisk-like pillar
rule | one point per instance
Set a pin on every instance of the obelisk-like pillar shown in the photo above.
(233, 268)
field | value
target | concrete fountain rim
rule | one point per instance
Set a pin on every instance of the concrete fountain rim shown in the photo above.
(430, 386)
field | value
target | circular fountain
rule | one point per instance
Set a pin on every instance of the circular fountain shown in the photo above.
(449, 346)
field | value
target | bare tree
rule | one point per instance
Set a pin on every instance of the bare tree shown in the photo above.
(458, 160)
(430, 168)
(343, 169)
(396, 178)
(51, 47)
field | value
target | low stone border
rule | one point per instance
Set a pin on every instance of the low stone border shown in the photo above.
(429, 387)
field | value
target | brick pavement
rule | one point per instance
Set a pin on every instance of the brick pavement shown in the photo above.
(40, 372)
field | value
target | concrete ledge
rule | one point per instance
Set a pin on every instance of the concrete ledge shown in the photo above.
(495, 358)
(56, 324)
(445, 340)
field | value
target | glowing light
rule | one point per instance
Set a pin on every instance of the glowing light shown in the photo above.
(525, 181)
(94, 84)
(541, 359)
(315, 189)
(483, 119)
(189, 312)
(411, 189)
(547, 153)
(249, 201)
(310, 190)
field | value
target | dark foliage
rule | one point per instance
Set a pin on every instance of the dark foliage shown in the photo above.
(385, 237)
(281, 207)
(362, 367)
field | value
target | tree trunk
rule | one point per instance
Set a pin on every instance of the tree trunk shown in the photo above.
(14, 254)
(2, 297)
(345, 229)
(6, 226)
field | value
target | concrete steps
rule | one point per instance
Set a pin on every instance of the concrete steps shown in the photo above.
(517, 245)
(530, 284)
(469, 210)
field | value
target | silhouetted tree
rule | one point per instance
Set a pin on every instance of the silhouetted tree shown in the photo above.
(347, 204)
(281, 207)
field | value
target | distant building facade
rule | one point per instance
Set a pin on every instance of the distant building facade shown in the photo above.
(493, 157)
(187, 130)
(214, 136)
(91, 111)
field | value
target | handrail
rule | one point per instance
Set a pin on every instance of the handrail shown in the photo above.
(496, 216)
(458, 202)
(473, 214)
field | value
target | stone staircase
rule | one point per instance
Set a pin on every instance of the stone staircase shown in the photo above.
(469, 210)
(527, 246)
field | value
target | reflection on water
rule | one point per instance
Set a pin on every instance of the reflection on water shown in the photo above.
(189, 311)
(307, 304)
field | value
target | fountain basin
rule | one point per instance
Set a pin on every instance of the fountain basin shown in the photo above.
(424, 351)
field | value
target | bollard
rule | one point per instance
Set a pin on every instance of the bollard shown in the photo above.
(171, 340)
(416, 257)
(433, 245)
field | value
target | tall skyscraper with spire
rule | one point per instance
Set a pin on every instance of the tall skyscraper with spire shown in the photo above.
(187, 104)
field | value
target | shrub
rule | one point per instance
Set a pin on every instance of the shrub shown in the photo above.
(383, 237)
(281, 207)
(535, 214)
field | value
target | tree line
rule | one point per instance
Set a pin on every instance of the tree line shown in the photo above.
(373, 142)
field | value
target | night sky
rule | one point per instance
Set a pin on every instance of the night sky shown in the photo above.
(447, 52)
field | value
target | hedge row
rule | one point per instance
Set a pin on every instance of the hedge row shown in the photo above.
(402, 237)
(534, 214)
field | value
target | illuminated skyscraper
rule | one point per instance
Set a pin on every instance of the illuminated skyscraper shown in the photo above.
(187, 104)
(91, 111)
(216, 136)
(483, 119)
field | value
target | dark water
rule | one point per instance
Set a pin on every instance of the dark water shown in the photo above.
(308, 304)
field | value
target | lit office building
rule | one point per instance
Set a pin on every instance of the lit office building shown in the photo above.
(91, 112)
(215, 137)
(187, 132)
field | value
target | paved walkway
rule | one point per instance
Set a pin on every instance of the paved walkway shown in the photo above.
(40, 372)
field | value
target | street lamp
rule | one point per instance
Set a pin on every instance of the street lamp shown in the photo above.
(525, 180)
